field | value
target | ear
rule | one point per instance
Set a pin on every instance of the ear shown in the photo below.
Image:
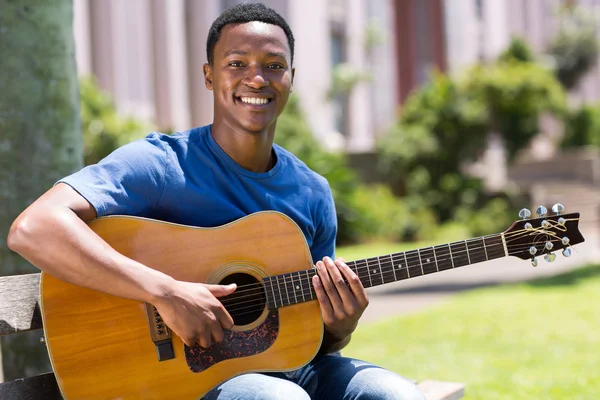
(292, 84)
(208, 78)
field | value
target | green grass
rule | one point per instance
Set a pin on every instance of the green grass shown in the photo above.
(536, 340)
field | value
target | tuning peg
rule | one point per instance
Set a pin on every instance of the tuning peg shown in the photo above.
(549, 245)
(532, 250)
(534, 262)
(566, 252)
(541, 211)
(524, 213)
(565, 240)
(558, 208)
(550, 257)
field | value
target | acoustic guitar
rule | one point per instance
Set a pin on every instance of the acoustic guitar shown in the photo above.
(106, 347)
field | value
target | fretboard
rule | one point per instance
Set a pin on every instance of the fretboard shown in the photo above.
(296, 287)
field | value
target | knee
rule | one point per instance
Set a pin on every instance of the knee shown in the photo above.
(381, 384)
(277, 392)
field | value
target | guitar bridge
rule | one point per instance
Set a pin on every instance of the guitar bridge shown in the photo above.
(159, 333)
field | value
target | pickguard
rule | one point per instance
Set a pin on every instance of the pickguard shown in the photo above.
(234, 345)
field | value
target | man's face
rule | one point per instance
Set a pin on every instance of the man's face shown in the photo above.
(251, 75)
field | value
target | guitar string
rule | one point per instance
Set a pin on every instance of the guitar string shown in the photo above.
(359, 268)
(260, 299)
(258, 287)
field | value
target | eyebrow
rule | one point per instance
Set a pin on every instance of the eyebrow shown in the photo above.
(245, 53)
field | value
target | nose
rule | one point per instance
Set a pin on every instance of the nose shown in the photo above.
(256, 78)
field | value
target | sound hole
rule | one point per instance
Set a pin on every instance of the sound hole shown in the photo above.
(248, 301)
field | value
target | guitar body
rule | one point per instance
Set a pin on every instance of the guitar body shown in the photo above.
(100, 345)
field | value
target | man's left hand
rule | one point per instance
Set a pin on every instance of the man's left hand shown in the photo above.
(342, 304)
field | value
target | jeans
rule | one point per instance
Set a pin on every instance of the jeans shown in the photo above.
(328, 377)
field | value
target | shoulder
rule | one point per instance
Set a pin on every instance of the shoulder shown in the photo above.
(301, 171)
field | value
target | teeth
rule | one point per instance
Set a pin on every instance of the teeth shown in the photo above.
(254, 100)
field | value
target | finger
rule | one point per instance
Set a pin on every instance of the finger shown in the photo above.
(221, 290)
(216, 332)
(326, 309)
(225, 319)
(204, 339)
(337, 277)
(356, 286)
(324, 269)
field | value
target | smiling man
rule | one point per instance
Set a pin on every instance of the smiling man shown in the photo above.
(209, 176)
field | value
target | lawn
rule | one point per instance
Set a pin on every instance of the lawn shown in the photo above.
(536, 340)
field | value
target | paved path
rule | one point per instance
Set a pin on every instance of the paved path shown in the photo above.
(416, 294)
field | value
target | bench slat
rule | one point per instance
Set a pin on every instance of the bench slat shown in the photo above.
(19, 308)
(40, 387)
(438, 390)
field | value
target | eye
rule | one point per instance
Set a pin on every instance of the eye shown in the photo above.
(236, 64)
(276, 66)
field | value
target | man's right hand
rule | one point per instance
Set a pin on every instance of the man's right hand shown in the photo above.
(194, 313)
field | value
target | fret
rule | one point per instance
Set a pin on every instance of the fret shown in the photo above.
(360, 272)
(269, 285)
(451, 256)
(443, 257)
(294, 286)
(285, 286)
(476, 250)
(375, 273)
(393, 267)
(494, 246)
(301, 286)
(420, 262)
(406, 265)
(311, 292)
(278, 292)
(485, 249)
(413, 263)
(459, 253)
(428, 264)
(380, 270)
(468, 252)
(401, 272)
(369, 273)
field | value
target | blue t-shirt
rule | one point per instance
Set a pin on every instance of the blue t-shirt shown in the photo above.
(186, 178)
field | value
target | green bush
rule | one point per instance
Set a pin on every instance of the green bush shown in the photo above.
(103, 129)
(582, 127)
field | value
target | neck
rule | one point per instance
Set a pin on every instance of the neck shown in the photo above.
(296, 287)
(251, 150)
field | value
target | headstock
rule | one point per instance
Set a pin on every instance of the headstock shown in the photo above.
(530, 238)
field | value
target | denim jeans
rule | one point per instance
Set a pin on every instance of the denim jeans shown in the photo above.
(328, 377)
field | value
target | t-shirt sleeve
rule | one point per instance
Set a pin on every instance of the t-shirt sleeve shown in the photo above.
(326, 232)
(129, 181)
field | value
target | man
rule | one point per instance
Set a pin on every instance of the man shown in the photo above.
(210, 176)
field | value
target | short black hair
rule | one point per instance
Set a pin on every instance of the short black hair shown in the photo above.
(242, 13)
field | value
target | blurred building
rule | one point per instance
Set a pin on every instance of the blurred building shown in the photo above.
(149, 54)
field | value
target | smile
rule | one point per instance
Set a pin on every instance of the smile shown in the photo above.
(254, 100)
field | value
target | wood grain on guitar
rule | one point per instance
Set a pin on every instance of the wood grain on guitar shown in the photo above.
(101, 347)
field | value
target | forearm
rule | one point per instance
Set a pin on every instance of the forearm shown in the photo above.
(331, 343)
(58, 242)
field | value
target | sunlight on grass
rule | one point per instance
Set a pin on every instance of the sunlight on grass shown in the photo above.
(536, 340)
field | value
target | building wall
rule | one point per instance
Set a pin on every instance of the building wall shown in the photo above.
(149, 55)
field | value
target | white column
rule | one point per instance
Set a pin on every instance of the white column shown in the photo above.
(495, 28)
(81, 33)
(200, 15)
(133, 62)
(309, 22)
(381, 60)
(360, 133)
(462, 31)
(170, 63)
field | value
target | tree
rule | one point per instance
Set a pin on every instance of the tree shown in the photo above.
(40, 132)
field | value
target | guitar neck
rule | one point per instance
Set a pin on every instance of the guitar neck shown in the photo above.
(296, 287)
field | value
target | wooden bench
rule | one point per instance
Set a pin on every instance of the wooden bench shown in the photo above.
(20, 312)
